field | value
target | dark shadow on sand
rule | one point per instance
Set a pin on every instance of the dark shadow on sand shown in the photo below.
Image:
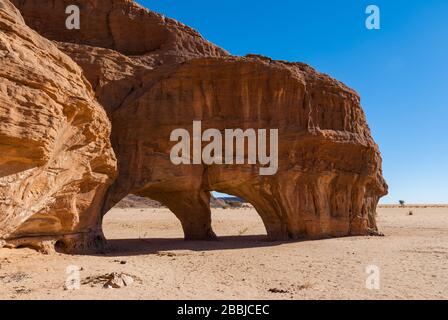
(132, 247)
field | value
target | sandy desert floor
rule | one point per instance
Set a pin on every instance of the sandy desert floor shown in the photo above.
(146, 243)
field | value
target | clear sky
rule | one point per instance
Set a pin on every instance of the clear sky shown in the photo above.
(400, 71)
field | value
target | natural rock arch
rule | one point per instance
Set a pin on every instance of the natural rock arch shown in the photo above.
(329, 179)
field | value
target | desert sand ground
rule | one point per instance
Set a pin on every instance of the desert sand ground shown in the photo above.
(146, 244)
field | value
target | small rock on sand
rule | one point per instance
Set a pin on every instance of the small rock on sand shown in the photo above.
(112, 280)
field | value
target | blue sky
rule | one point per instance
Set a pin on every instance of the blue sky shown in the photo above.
(400, 71)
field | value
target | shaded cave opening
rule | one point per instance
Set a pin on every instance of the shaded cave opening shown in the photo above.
(141, 219)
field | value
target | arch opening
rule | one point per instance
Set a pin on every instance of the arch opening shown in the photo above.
(233, 216)
(140, 218)
(173, 216)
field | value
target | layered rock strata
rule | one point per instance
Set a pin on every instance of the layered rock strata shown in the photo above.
(153, 75)
(56, 160)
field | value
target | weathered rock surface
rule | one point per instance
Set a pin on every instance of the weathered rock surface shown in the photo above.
(133, 201)
(56, 161)
(120, 25)
(329, 178)
(117, 41)
(153, 75)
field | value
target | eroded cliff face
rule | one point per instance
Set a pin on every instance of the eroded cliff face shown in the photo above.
(117, 41)
(56, 161)
(120, 25)
(329, 178)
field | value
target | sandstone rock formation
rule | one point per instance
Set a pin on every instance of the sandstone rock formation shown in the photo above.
(133, 201)
(152, 75)
(329, 178)
(56, 161)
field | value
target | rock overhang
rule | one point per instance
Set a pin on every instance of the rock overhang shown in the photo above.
(329, 180)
